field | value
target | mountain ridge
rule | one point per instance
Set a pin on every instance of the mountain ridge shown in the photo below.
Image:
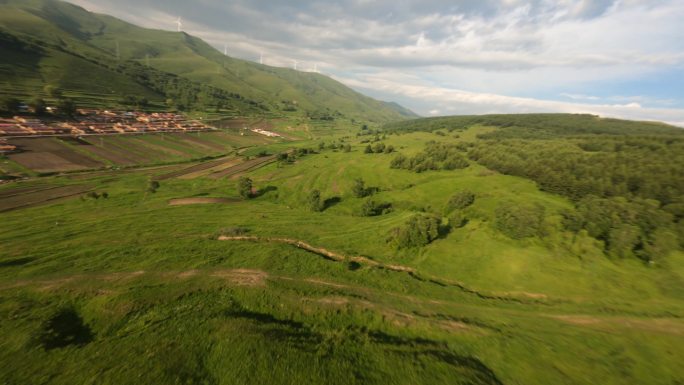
(279, 90)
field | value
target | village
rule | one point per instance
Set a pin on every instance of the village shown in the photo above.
(99, 122)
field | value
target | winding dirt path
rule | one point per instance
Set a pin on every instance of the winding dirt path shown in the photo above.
(519, 297)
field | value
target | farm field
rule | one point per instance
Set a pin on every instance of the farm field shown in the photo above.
(195, 279)
(66, 154)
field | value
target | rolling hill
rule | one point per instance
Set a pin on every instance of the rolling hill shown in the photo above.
(100, 59)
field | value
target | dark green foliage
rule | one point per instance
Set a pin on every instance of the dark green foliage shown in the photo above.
(244, 187)
(379, 148)
(346, 148)
(628, 228)
(534, 125)
(562, 167)
(399, 161)
(457, 219)
(314, 201)
(38, 105)
(418, 231)
(10, 105)
(359, 189)
(389, 149)
(368, 149)
(152, 186)
(371, 208)
(435, 156)
(518, 220)
(66, 107)
(460, 200)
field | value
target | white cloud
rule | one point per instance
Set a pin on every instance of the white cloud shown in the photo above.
(469, 54)
(464, 102)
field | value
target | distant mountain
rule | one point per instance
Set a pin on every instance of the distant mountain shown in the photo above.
(98, 59)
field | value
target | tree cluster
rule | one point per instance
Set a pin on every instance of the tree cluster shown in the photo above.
(418, 231)
(435, 156)
(518, 220)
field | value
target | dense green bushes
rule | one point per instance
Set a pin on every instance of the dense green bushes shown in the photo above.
(418, 231)
(435, 156)
(518, 220)
(636, 228)
(460, 200)
(244, 187)
(371, 208)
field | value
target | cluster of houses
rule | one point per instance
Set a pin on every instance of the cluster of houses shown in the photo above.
(101, 122)
(266, 132)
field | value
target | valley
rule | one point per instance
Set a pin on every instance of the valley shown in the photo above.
(170, 214)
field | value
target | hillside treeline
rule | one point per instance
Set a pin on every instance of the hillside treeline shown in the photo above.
(629, 190)
(626, 178)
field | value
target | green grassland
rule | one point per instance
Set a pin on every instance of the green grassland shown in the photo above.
(129, 289)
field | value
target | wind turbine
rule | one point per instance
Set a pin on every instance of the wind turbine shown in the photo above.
(225, 49)
(295, 64)
(261, 58)
(179, 23)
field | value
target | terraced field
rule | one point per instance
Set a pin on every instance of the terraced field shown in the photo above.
(45, 155)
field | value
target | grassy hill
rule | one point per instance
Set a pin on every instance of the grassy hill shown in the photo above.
(63, 39)
(517, 284)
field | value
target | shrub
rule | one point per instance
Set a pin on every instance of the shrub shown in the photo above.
(379, 148)
(244, 186)
(359, 188)
(457, 220)
(371, 208)
(520, 220)
(399, 161)
(152, 186)
(418, 231)
(368, 149)
(315, 202)
(460, 200)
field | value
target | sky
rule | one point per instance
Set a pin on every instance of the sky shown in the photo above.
(614, 58)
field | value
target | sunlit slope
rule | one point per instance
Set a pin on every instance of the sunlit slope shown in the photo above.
(66, 25)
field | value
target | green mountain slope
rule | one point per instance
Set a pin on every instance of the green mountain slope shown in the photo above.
(57, 26)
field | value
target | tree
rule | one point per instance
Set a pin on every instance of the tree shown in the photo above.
(623, 239)
(38, 105)
(244, 187)
(368, 149)
(359, 188)
(418, 231)
(152, 186)
(314, 201)
(66, 107)
(371, 208)
(10, 105)
(379, 148)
